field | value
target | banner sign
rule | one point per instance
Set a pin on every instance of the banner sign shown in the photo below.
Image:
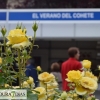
(58, 16)
(2, 16)
(52, 15)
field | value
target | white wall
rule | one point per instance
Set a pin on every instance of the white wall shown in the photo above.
(61, 30)
(87, 30)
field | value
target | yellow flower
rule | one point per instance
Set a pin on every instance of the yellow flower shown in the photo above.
(46, 77)
(89, 83)
(17, 38)
(92, 97)
(39, 68)
(80, 90)
(74, 76)
(30, 80)
(41, 90)
(16, 87)
(69, 95)
(75, 95)
(6, 85)
(89, 74)
(50, 93)
(52, 85)
(42, 84)
(89, 98)
(59, 99)
(98, 67)
(25, 84)
(86, 64)
(41, 94)
(90, 91)
(0, 60)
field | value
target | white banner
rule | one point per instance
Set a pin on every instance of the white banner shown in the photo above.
(13, 94)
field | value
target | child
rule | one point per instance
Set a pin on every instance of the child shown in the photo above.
(55, 70)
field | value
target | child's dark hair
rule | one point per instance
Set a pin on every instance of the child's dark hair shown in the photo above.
(55, 67)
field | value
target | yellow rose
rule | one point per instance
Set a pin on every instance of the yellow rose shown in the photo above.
(6, 85)
(0, 60)
(80, 90)
(25, 84)
(17, 38)
(59, 99)
(92, 97)
(89, 98)
(74, 76)
(52, 85)
(50, 93)
(41, 94)
(90, 91)
(69, 95)
(30, 80)
(46, 77)
(16, 87)
(41, 90)
(39, 68)
(98, 67)
(75, 95)
(89, 74)
(86, 64)
(89, 83)
(42, 84)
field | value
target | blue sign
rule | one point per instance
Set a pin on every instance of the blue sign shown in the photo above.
(55, 16)
(2, 16)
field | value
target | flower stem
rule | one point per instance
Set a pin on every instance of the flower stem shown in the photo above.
(19, 68)
(34, 37)
(46, 91)
(32, 42)
(4, 41)
(10, 77)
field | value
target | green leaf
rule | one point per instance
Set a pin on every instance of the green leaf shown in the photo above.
(93, 99)
(13, 78)
(58, 91)
(28, 57)
(13, 72)
(31, 96)
(2, 81)
(9, 59)
(36, 91)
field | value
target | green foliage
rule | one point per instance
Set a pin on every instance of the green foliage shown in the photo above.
(31, 96)
(93, 99)
(11, 55)
(9, 60)
(2, 80)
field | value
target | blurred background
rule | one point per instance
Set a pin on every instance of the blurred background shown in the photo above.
(30, 4)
